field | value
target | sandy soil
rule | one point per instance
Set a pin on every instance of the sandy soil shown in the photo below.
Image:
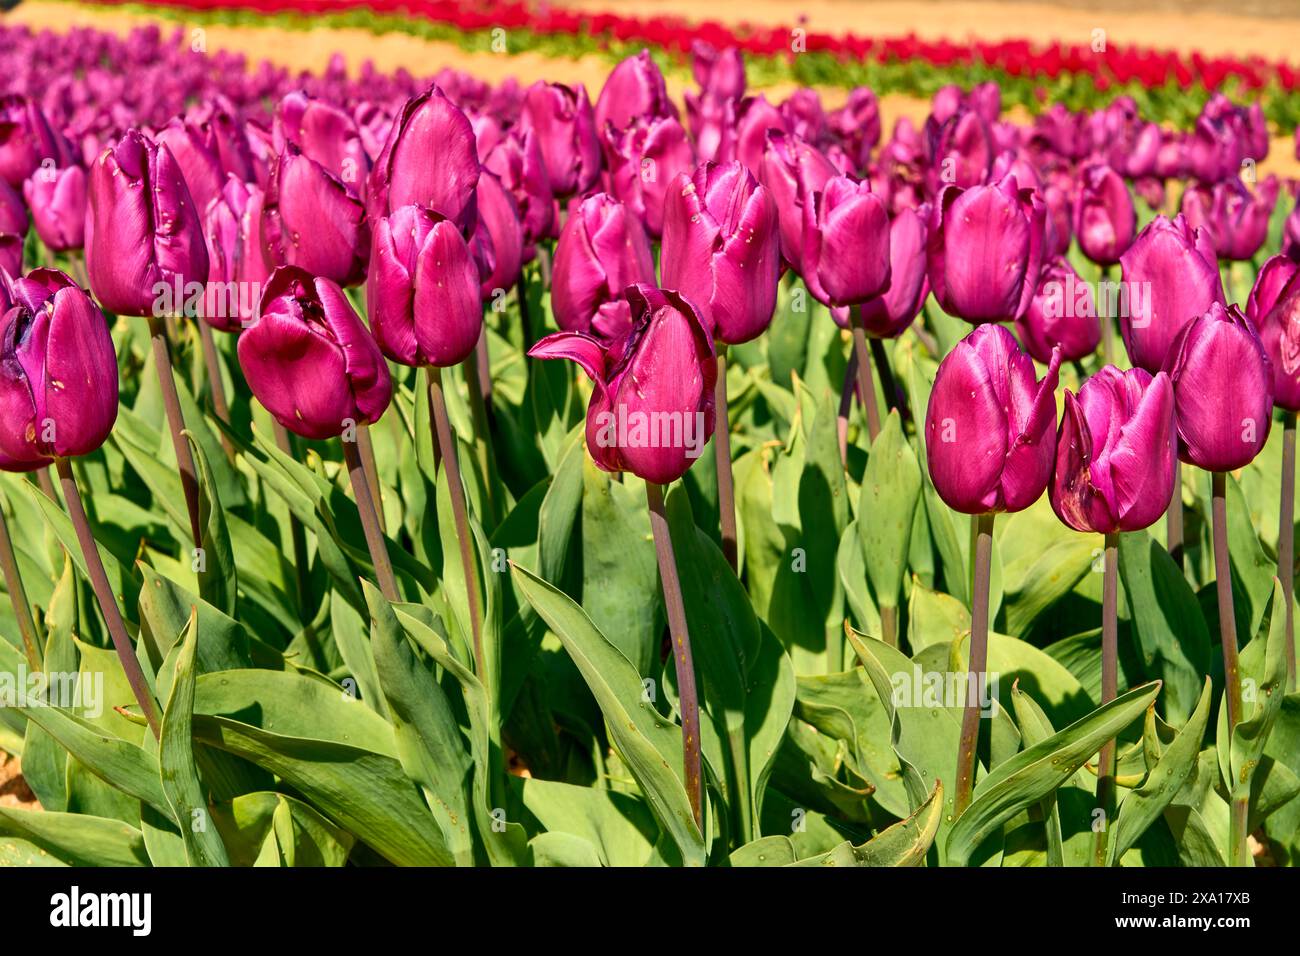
(14, 791)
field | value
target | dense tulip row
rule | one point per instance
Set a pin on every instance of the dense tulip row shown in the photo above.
(403, 237)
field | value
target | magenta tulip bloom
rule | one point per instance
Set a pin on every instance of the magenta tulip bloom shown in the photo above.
(720, 73)
(310, 360)
(1116, 452)
(1063, 314)
(27, 140)
(642, 160)
(13, 229)
(960, 150)
(423, 290)
(722, 249)
(1058, 227)
(314, 221)
(651, 412)
(856, 125)
(237, 264)
(793, 172)
(517, 161)
(1236, 220)
(200, 165)
(562, 120)
(601, 252)
(430, 160)
(887, 315)
(58, 373)
(143, 232)
(755, 118)
(324, 133)
(633, 90)
(989, 426)
(1223, 390)
(1274, 310)
(845, 243)
(1173, 269)
(1270, 285)
(985, 250)
(713, 126)
(57, 200)
(499, 228)
(1105, 221)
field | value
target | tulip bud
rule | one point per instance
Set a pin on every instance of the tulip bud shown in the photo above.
(793, 171)
(517, 162)
(310, 360)
(57, 199)
(755, 118)
(143, 231)
(960, 150)
(805, 116)
(720, 73)
(887, 315)
(1063, 314)
(651, 411)
(199, 163)
(989, 425)
(1174, 271)
(13, 229)
(1236, 221)
(713, 126)
(430, 160)
(562, 120)
(58, 373)
(314, 221)
(237, 265)
(1270, 285)
(634, 90)
(856, 124)
(325, 133)
(721, 249)
(985, 250)
(1274, 310)
(1105, 221)
(1223, 390)
(1116, 452)
(27, 140)
(498, 224)
(641, 161)
(601, 252)
(845, 243)
(423, 290)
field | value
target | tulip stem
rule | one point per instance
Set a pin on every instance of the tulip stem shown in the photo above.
(1239, 854)
(301, 566)
(1109, 688)
(162, 359)
(1286, 542)
(863, 369)
(104, 595)
(451, 462)
(370, 521)
(478, 376)
(683, 662)
(1174, 518)
(846, 407)
(525, 318)
(1107, 320)
(722, 453)
(366, 446)
(216, 386)
(47, 484)
(18, 596)
(887, 384)
(978, 660)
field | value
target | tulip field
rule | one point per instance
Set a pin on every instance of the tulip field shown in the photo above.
(424, 471)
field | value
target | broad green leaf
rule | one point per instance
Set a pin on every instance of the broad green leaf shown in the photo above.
(891, 487)
(903, 844)
(74, 838)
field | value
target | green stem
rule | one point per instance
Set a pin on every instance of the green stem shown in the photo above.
(366, 446)
(1239, 850)
(1109, 690)
(863, 365)
(176, 423)
(298, 535)
(978, 661)
(1174, 517)
(722, 457)
(18, 596)
(370, 522)
(216, 388)
(1286, 542)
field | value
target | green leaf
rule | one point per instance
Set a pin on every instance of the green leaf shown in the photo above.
(218, 579)
(1034, 729)
(891, 488)
(903, 844)
(618, 826)
(74, 838)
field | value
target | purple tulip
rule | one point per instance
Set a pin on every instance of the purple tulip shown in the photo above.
(960, 150)
(1223, 390)
(722, 248)
(651, 411)
(517, 162)
(58, 373)
(325, 133)
(1116, 452)
(237, 264)
(713, 126)
(1274, 310)
(13, 229)
(315, 221)
(887, 315)
(755, 118)
(990, 424)
(601, 252)
(1058, 226)
(641, 160)
(199, 163)
(1236, 220)
(57, 199)
(27, 140)
(985, 250)
(720, 73)
(1270, 285)
(856, 125)
(1063, 314)
(793, 171)
(1105, 221)
(499, 228)
(310, 360)
(143, 231)
(805, 117)
(1173, 270)
(562, 120)
(423, 290)
(634, 90)
(430, 160)
(845, 253)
